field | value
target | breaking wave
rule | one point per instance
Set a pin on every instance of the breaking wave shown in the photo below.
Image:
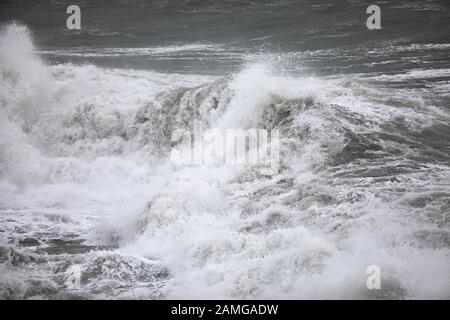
(86, 180)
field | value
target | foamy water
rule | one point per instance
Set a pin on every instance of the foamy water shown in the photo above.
(86, 180)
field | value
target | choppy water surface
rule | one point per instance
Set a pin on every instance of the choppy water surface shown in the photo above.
(85, 124)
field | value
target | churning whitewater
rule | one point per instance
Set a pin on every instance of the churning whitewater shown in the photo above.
(87, 185)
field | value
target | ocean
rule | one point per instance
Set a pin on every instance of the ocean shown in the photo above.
(92, 206)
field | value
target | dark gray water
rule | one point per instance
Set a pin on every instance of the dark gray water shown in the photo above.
(87, 187)
(234, 29)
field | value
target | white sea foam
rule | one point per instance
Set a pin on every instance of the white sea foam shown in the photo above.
(131, 52)
(89, 165)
